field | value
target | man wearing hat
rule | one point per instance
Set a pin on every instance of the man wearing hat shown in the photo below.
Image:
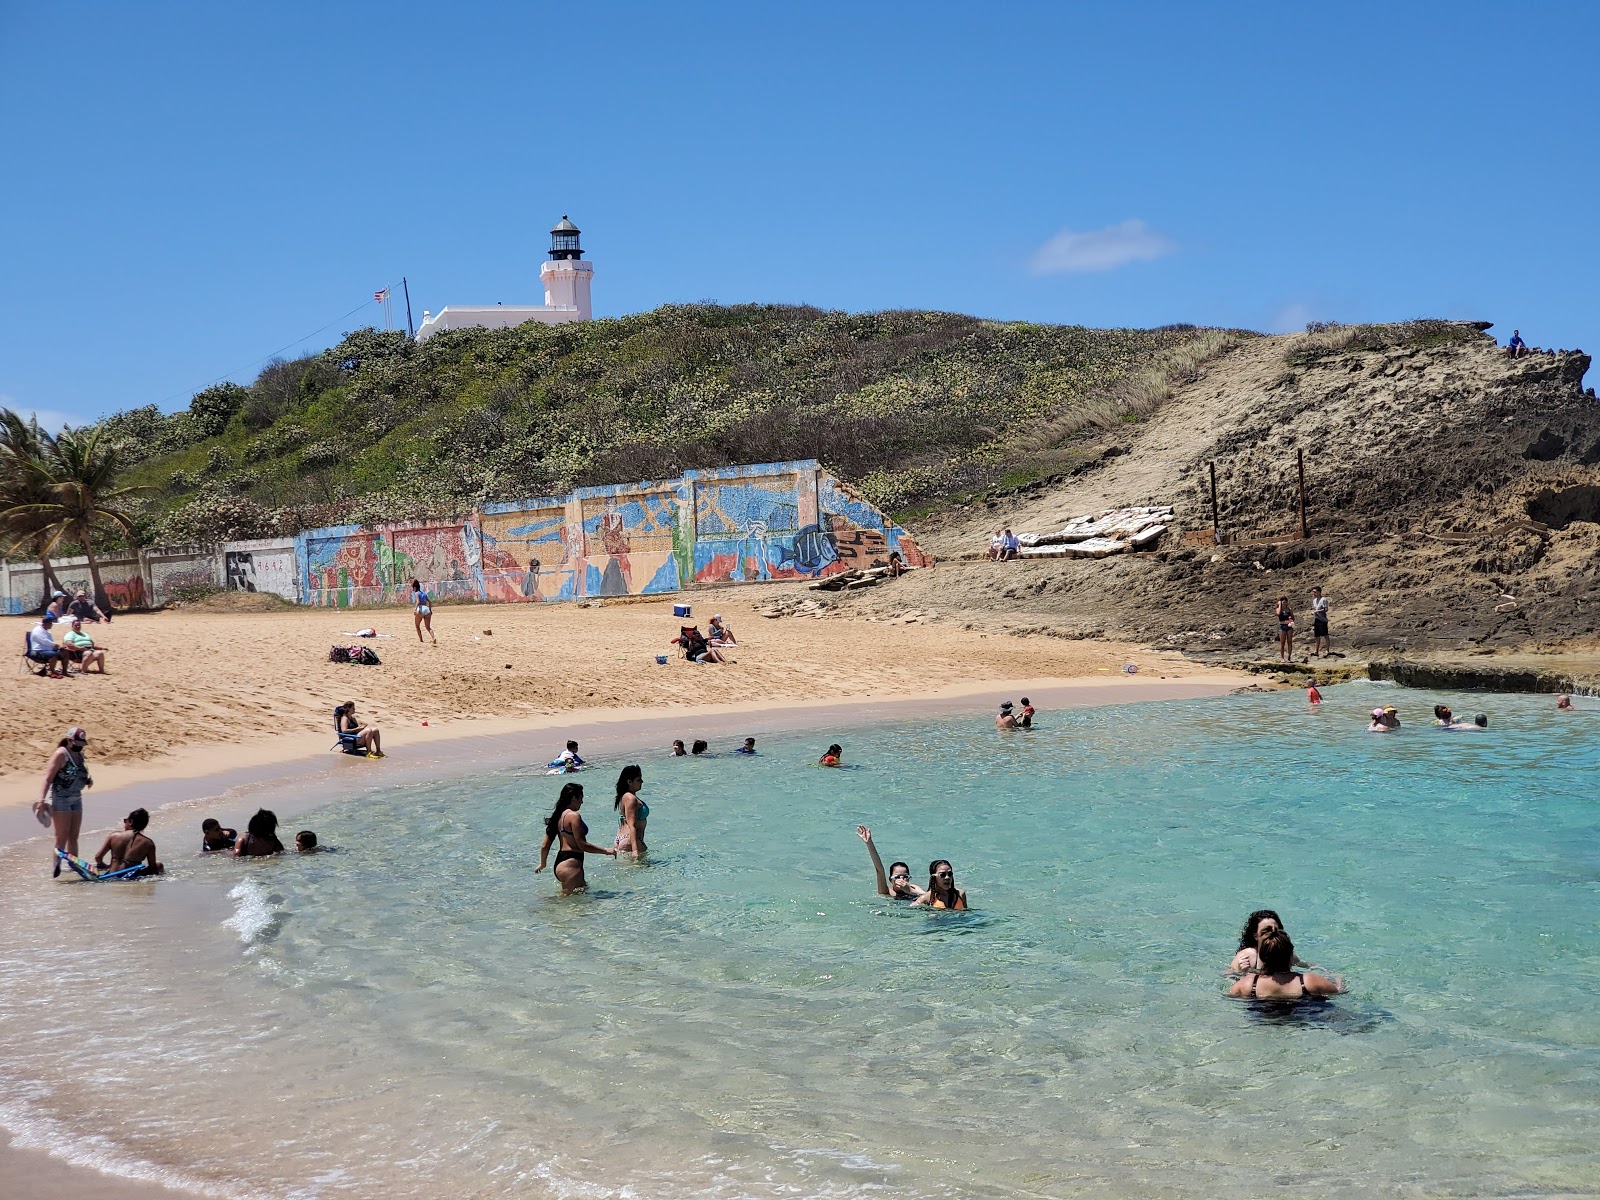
(1004, 718)
(42, 648)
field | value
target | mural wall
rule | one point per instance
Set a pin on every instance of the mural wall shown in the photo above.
(261, 566)
(743, 524)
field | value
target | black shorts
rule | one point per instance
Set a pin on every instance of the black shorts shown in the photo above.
(1319, 627)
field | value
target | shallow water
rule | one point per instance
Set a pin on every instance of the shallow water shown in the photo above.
(419, 1014)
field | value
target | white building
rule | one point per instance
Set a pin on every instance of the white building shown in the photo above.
(566, 277)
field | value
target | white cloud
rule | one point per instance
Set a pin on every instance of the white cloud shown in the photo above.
(1100, 249)
(50, 420)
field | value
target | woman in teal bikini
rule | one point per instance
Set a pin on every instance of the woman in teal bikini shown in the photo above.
(635, 812)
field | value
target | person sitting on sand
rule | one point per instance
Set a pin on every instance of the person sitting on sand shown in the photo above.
(565, 824)
(1276, 979)
(1384, 720)
(749, 747)
(43, 651)
(129, 848)
(1005, 719)
(1256, 925)
(698, 748)
(86, 609)
(305, 842)
(367, 736)
(1564, 703)
(897, 885)
(1481, 721)
(942, 890)
(1442, 715)
(79, 647)
(677, 749)
(833, 758)
(214, 837)
(261, 836)
(696, 648)
(719, 634)
(997, 545)
(57, 610)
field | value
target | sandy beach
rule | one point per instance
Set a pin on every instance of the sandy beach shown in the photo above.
(195, 692)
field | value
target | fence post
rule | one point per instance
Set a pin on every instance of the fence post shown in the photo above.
(1300, 462)
(1216, 528)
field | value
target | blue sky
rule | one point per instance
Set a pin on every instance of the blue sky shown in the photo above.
(189, 187)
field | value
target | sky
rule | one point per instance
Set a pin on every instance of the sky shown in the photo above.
(187, 189)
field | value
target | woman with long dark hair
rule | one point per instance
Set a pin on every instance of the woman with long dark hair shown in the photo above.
(564, 824)
(942, 890)
(634, 812)
(422, 610)
(1273, 978)
(261, 836)
(60, 799)
(1256, 926)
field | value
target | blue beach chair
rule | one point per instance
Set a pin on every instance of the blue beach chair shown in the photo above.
(348, 743)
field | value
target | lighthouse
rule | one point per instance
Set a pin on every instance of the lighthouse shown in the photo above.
(566, 276)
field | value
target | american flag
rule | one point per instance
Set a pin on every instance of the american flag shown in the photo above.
(381, 295)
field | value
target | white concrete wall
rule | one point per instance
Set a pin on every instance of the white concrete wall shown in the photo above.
(566, 285)
(265, 565)
(493, 316)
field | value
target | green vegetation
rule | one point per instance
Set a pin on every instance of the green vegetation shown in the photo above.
(1325, 339)
(59, 490)
(913, 407)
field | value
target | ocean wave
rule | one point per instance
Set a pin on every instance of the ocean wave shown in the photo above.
(253, 915)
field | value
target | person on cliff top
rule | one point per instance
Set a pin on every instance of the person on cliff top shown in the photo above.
(1320, 645)
(1285, 618)
(1516, 347)
(1013, 544)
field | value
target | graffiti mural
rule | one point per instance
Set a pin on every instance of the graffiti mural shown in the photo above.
(863, 535)
(342, 566)
(261, 566)
(525, 552)
(751, 528)
(169, 574)
(629, 542)
(445, 559)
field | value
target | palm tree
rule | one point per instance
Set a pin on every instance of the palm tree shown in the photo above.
(77, 481)
(22, 479)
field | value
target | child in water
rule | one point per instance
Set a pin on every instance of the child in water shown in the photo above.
(1312, 694)
(306, 842)
(214, 837)
(749, 747)
(1026, 719)
(833, 758)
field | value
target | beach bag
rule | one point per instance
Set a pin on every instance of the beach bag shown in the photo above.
(339, 654)
(364, 656)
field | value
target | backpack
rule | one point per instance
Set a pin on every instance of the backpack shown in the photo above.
(339, 654)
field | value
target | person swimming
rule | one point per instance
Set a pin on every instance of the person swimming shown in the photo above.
(698, 748)
(1481, 721)
(749, 747)
(833, 758)
(942, 890)
(897, 885)
(214, 837)
(1275, 979)
(1564, 703)
(305, 842)
(1442, 714)
(677, 749)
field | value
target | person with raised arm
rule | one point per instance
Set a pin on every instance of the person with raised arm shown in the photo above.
(897, 885)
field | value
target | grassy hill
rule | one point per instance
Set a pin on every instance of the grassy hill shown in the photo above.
(915, 407)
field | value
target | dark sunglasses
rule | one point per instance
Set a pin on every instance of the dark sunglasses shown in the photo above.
(944, 874)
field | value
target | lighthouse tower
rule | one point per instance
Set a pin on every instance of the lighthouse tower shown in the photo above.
(566, 276)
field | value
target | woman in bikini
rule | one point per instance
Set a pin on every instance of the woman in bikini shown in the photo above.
(635, 813)
(942, 890)
(422, 610)
(1276, 980)
(1256, 926)
(1285, 616)
(565, 823)
(61, 798)
(130, 848)
(261, 836)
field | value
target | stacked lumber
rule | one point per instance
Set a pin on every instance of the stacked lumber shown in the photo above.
(1096, 536)
(859, 577)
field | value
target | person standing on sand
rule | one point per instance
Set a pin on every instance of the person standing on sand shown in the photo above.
(1319, 624)
(65, 777)
(421, 611)
(1285, 616)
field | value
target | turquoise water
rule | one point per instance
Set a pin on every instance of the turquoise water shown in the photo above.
(419, 1014)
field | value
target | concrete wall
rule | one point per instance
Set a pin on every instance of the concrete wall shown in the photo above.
(745, 524)
(266, 565)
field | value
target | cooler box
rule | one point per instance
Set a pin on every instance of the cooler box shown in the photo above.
(680, 610)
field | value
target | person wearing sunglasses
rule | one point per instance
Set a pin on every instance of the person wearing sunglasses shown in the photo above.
(942, 890)
(60, 800)
(897, 885)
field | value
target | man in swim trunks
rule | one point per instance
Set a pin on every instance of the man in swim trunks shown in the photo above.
(1004, 718)
(130, 847)
(1320, 645)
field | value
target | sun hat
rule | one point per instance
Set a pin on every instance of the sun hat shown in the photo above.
(1377, 712)
(1004, 704)
(1388, 708)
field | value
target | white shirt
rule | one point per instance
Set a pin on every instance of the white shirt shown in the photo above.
(1319, 607)
(41, 639)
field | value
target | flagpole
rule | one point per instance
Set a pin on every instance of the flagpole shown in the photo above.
(406, 287)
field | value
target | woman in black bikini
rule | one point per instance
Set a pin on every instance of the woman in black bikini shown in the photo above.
(1275, 980)
(566, 824)
(261, 836)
